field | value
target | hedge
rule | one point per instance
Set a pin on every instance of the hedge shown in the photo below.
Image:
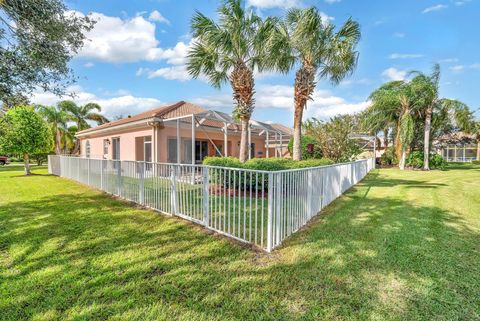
(237, 178)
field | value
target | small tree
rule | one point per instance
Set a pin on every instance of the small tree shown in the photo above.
(333, 137)
(24, 132)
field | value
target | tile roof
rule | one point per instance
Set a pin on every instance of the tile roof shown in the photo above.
(178, 109)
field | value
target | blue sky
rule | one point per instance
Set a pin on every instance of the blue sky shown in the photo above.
(135, 57)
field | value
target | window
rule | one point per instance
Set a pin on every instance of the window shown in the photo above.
(87, 149)
(106, 142)
(116, 148)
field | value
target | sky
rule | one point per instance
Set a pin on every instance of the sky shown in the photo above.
(134, 58)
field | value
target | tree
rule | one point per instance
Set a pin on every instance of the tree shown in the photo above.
(81, 115)
(334, 137)
(37, 40)
(231, 50)
(57, 119)
(385, 111)
(24, 132)
(307, 40)
(447, 112)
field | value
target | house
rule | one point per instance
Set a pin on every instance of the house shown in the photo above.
(180, 133)
(458, 147)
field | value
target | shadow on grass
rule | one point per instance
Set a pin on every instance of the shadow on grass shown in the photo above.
(92, 257)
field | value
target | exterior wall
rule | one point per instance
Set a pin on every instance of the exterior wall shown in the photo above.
(129, 139)
(127, 143)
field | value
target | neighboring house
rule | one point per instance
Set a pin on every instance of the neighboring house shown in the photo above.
(180, 132)
(458, 147)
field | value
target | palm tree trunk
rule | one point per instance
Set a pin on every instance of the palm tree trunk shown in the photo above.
(242, 83)
(26, 164)
(426, 141)
(304, 87)
(58, 142)
(403, 158)
(398, 143)
(297, 133)
(385, 138)
(244, 140)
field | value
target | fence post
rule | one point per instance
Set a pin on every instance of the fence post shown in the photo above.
(173, 181)
(278, 203)
(119, 177)
(88, 171)
(206, 214)
(141, 187)
(309, 193)
(101, 174)
(270, 213)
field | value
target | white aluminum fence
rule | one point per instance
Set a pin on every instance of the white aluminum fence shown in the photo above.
(257, 207)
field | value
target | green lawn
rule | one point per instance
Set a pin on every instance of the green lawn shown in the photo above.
(398, 246)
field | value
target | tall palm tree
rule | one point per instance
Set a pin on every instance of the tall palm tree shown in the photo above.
(446, 112)
(57, 119)
(307, 40)
(80, 115)
(230, 50)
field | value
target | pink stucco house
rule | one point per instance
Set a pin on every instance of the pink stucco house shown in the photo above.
(180, 133)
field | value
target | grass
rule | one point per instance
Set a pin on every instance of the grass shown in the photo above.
(398, 246)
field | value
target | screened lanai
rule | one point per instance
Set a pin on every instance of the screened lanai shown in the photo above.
(191, 138)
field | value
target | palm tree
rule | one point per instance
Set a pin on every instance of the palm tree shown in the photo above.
(80, 115)
(385, 111)
(304, 38)
(447, 112)
(57, 119)
(231, 50)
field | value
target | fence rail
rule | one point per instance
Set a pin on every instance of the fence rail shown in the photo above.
(258, 207)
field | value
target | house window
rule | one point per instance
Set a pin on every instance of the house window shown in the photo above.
(116, 148)
(87, 149)
(147, 148)
(106, 142)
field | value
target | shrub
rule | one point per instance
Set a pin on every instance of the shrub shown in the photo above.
(389, 157)
(312, 163)
(476, 162)
(437, 161)
(415, 160)
(239, 179)
(305, 140)
(230, 162)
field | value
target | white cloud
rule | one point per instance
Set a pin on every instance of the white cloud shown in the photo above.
(399, 35)
(350, 82)
(461, 68)
(405, 56)
(332, 1)
(123, 104)
(324, 104)
(448, 60)
(435, 8)
(156, 16)
(128, 40)
(457, 68)
(170, 73)
(266, 4)
(394, 74)
(117, 40)
(89, 65)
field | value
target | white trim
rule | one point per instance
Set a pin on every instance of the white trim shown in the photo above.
(118, 127)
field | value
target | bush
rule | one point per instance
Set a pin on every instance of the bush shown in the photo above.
(239, 179)
(415, 160)
(230, 162)
(305, 140)
(388, 157)
(476, 162)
